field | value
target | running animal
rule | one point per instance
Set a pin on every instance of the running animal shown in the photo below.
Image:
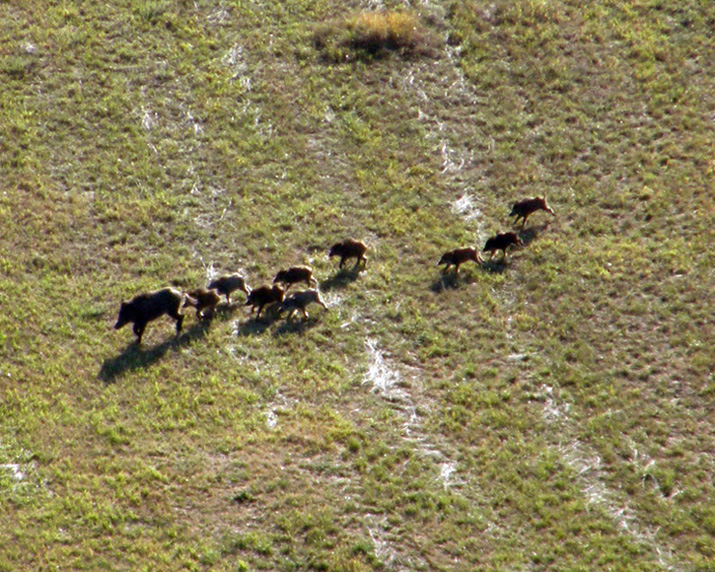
(502, 241)
(349, 248)
(459, 256)
(522, 209)
(295, 274)
(229, 283)
(204, 300)
(264, 296)
(144, 308)
(299, 301)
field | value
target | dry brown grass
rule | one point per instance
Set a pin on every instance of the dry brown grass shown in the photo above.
(374, 34)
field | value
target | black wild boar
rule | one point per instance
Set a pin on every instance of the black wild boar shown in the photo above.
(295, 274)
(204, 300)
(349, 248)
(229, 283)
(299, 301)
(144, 308)
(459, 256)
(265, 296)
(501, 241)
(522, 209)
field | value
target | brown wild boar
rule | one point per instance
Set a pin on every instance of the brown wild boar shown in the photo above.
(265, 296)
(299, 301)
(229, 283)
(501, 241)
(144, 308)
(522, 209)
(295, 274)
(204, 300)
(459, 256)
(349, 248)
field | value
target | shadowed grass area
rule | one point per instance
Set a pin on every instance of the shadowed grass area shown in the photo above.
(547, 412)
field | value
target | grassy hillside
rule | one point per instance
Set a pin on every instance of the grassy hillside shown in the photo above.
(554, 412)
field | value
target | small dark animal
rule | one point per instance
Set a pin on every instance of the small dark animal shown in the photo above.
(522, 209)
(144, 308)
(204, 300)
(295, 274)
(501, 242)
(459, 256)
(229, 283)
(349, 248)
(264, 296)
(299, 301)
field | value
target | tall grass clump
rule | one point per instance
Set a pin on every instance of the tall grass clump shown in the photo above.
(151, 12)
(369, 35)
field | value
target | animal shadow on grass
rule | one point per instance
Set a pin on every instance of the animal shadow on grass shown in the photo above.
(530, 234)
(452, 280)
(255, 326)
(135, 356)
(296, 326)
(224, 312)
(496, 266)
(342, 278)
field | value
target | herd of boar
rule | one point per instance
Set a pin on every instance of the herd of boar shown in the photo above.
(146, 307)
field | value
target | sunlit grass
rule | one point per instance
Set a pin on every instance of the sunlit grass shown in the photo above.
(552, 412)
